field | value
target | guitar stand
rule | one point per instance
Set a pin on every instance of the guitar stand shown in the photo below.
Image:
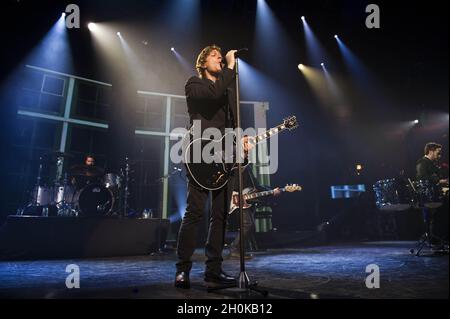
(244, 284)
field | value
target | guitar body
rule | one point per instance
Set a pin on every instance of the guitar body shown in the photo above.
(213, 167)
(234, 204)
(210, 176)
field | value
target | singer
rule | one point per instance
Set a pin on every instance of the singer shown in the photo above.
(211, 99)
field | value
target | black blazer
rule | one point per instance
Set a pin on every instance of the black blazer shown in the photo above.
(426, 169)
(208, 101)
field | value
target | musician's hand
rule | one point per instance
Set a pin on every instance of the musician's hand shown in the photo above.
(276, 192)
(231, 59)
(236, 201)
(443, 181)
(248, 143)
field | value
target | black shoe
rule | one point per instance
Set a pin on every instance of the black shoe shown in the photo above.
(219, 278)
(182, 280)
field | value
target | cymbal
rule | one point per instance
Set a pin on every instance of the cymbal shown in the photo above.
(86, 170)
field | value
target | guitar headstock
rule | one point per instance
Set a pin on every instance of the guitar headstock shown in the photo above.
(290, 122)
(292, 188)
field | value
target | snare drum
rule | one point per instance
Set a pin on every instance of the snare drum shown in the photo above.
(393, 195)
(42, 195)
(64, 193)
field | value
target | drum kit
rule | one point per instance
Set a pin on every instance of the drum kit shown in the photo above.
(398, 194)
(82, 191)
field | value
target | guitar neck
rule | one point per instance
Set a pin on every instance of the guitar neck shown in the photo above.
(261, 194)
(269, 133)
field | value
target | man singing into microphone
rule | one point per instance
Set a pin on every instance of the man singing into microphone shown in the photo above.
(210, 99)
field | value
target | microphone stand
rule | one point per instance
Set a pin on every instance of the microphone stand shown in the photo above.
(244, 284)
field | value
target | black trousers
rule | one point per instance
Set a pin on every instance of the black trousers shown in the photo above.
(196, 200)
(247, 228)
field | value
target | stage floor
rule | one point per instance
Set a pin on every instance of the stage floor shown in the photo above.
(337, 271)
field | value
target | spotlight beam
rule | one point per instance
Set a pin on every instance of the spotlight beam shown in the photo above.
(362, 76)
(315, 51)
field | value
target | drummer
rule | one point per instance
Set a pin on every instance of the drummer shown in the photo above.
(427, 168)
(89, 160)
(86, 173)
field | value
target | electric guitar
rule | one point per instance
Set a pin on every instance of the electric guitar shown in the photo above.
(214, 165)
(247, 195)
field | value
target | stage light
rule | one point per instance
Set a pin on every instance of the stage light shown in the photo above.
(303, 18)
(301, 66)
(172, 49)
(118, 34)
(92, 26)
(187, 66)
(416, 121)
(359, 169)
(336, 36)
(63, 14)
(322, 64)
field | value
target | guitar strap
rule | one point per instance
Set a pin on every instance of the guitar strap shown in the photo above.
(230, 116)
(252, 178)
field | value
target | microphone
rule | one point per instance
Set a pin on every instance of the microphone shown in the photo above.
(239, 52)
(236, 55)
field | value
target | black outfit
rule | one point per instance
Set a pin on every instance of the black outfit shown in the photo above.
(213, 103)
(426, 169)
(249, 213)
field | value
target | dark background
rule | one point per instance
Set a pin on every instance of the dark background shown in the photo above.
(408, 57)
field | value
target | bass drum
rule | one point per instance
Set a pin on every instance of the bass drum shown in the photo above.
(94, 200)
(393, 195)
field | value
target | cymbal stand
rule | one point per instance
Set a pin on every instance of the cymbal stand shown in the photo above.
(59, 168)
(38, 183)
(126, 193)
(65, 208)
